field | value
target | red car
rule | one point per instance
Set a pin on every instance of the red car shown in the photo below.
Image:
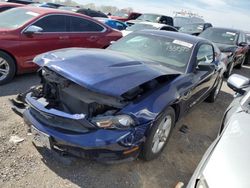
(28, 31)
(7, 6)
(123, 16)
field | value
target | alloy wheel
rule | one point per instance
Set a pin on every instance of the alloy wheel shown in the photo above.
(218, 88)
(161, 135)
(4, 68)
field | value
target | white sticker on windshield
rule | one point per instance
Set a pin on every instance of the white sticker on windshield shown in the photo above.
(182, 43)
(32, 13)
(230, 33)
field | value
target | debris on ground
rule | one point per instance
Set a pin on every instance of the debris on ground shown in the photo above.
(15, 139)
(184, 129)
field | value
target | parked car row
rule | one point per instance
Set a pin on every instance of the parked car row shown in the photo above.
(122, 100)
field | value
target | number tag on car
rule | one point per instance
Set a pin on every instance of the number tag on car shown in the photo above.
(40, 139)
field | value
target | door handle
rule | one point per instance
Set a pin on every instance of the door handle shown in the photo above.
(63, 37)
(92, 38)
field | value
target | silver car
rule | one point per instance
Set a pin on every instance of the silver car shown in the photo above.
(227, 161)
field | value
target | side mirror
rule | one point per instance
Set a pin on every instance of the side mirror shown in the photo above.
(243, 44)
(33, 29)
(201, 65)
(112, 42)
(238, 83)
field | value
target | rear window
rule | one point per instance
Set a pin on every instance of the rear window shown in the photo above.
(15, 18)
(84, 25)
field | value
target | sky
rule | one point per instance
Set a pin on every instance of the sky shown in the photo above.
(221, 13)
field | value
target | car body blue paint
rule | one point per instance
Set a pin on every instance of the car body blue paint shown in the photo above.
(101, 70)
(112, 73)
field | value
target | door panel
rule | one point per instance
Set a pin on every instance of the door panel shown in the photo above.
(52, 37)
(85, 33)
(203, 77)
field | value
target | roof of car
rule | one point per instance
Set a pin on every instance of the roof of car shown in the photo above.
(157, 25)
(44, 10)
(176, 35)
(228, 29)
(10, 4)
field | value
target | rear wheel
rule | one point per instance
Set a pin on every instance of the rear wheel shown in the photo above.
(241, 63)
(7, 68)
(229, 70)
(214, 94)
(159, 135)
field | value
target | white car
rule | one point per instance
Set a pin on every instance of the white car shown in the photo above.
(226, 163)
(148, 25)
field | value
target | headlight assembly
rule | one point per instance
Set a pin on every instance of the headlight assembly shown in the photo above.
(113, 122)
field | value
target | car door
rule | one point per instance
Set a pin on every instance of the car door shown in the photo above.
(86, 33)
(204, 75)
(53, 36)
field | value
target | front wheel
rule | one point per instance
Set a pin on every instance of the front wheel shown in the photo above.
(241, 63)
(229, 70)
(7, 68)
(214, 93)
(159, 135)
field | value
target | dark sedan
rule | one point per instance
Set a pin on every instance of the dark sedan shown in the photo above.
(118, 102)
(195, 28)
(231, 42)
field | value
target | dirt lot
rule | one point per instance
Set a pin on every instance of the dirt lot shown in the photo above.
(22, 165)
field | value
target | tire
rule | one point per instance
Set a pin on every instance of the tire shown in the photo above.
(149, 150)
(247, 59)
(7, 68)
(238, 66)
(214, 93)
(229, 70)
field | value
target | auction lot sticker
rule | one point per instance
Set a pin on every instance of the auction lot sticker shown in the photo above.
(183, 43)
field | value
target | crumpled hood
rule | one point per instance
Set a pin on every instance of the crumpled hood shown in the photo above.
(226, 47)
(102, 71)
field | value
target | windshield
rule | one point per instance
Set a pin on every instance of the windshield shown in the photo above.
(138, 27)
(192, 28)
(121, 14)
(169, 52)
(222, 36)
(15, 18)
(149, 17)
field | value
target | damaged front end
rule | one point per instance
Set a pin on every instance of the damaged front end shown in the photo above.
(80, 121)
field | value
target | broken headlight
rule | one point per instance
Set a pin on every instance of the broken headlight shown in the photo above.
(113, 122)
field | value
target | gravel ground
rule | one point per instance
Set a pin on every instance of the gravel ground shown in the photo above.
(22, 165)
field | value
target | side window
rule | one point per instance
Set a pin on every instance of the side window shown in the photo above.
(54, 23)
(120, 26)
(205, 53)
(83, 25)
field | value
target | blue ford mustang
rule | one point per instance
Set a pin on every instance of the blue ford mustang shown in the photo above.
(116, 103)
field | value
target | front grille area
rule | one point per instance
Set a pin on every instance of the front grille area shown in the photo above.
(60, 123)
